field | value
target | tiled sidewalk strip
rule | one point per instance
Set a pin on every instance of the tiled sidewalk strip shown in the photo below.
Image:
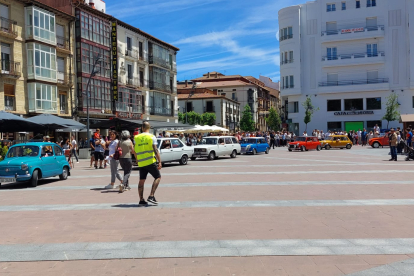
(212, 204)
(223, 184)
(212, 248)
(402, 268)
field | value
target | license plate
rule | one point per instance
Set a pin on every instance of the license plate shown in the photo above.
(5, 180)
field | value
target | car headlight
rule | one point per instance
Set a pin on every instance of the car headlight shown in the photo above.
(248, 147)
(24, 167)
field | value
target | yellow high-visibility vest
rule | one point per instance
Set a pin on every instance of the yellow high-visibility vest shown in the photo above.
(143, 149)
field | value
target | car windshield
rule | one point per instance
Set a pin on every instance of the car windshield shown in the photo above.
(20, 151)
(300, 139)
(209, 141)
(249, 141)
(330, 138)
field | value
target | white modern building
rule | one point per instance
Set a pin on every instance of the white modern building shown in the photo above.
(348, 57)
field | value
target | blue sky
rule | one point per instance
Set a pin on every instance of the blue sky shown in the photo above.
(228, 36)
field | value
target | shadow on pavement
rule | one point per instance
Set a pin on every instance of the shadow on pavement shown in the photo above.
(132, 206)
(25, 185)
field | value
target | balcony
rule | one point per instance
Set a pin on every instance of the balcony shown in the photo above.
(160, 62)
(286, 61)
(143, 58)
(10, 69)
(353, 33)
(174, 67)
(131, 54)
(8, 27)
(353, 59)
(354, 85)
(160, 86)
(64, 79)
(62, 44)
(162, 111)
(353, 82)
(132, 82)
(128, 107)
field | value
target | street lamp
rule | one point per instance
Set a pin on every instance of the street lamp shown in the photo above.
(93, 74)
(189, 96)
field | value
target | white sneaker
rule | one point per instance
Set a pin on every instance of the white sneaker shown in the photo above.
(77, 162)
(109, 186)
(121, 188)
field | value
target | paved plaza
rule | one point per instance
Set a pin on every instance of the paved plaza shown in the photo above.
(336, 212)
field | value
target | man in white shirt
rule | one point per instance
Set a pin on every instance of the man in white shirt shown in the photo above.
(376, 129)
(305, 134)
(74, 148)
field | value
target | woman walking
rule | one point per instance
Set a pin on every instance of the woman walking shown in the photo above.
(113, 164)
(125, 159)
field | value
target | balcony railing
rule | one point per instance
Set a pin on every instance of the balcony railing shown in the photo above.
(132, 82)
(174, 67)
(159, 86)
(160, 62)
(64, 79)
(284, 37)
(286, 61)
(353, 30)
(353, 82)
(213, 109)
(128, 107)
(142, 57)
(10, 68)
(354, 56)
(160, 111)
(131, 53)
(8, 26)
(62, 43)
(143, 83)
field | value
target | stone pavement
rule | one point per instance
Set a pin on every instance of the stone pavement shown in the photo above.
(337, 212)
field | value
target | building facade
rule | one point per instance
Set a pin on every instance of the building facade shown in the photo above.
(348, 57)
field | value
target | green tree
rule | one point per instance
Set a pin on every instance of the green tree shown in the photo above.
(246, 121)
(208, 119)
(392, 111)
(309, 110)
(273, 121)
(181, 117)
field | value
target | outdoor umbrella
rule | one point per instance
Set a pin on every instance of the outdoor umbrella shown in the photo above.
(53, 122)
(13, 123)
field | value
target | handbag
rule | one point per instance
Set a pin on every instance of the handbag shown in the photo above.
(118, 154)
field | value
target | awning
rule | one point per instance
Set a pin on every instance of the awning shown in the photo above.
(405, 118)
(13, 123)
(54, 122)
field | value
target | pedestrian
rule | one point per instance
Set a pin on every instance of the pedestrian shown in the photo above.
(147, 155)
(377, 129)
(92, 145)
(393, 144)
(113, 164)
(126, 158)
(74, 148)
(99, 151)
(272, 140)
(400, 143)
(409, 137)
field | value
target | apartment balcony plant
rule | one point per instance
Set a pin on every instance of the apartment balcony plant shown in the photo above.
(10, 69)
(62, 44)
(64, 79)
(8, 27)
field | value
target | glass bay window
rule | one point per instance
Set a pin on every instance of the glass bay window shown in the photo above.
(42, 97)
(41, 62)
(40, 24)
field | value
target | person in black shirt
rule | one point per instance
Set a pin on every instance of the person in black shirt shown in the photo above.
(272, 140)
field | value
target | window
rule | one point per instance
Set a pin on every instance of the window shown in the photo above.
(234, 89)
(209, 106)
(42, 97)
(141, 50)
(93, 28)
(189, 107)
(129, 100)
(41, 62)
(233, 96)
(295, 107)
(413, 101)
(331, 53)
(58, 151)
(291, 83)
(334, 105)
(330, 7)
(334, 126)
(99, 93)
(358, 4)
(374, 103)
(159, 55)
(286, 82)
(372, 50)
(285, 33)
(40, 24)
(129, 44)
(88, 57)
(9, 97)
(343, 6)
(63, 102)
(175, 143)
(371, 3)
(228, 141)
(290, 56)
(371, 124)
(354, 104)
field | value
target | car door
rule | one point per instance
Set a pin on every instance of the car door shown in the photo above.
(178, 149)
(222, 147)
(167, 152)
(263, 145)
(48, 165)
(236, 144)
(336, 142)
(229, 145)
(259, 145)
(60, 159)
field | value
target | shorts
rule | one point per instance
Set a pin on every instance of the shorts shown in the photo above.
(92, 153)
(99, 155)
(152, 169)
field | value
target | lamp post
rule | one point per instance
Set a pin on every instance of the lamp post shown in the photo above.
(189, 96)
(93, 74)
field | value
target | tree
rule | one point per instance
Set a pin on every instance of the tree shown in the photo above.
(392, 111)
(181, 117)
(246, 121)
(309, 110)
(208, 118)
(273, 121)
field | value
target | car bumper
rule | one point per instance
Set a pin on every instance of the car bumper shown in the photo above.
(15, 178)
(200, 154)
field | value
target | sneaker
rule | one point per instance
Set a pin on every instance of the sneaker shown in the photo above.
(152, 200)
(128, 188)
(121, 188)
(96, 167)
(109, 186)
(143, 202)
(77, 162)
(100, 167)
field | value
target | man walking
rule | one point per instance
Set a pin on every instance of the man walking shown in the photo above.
(393, 145)
(147, 155)
(74, 148)
(272, 140)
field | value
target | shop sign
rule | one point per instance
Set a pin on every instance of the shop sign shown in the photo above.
(128, 115)
(114, 50)
(352, 30)
(354, 113)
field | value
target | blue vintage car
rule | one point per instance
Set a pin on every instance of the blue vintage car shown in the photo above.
(33, 161)
(254, 145)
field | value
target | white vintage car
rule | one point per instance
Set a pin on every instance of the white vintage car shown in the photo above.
(173, 150)
(214, 146)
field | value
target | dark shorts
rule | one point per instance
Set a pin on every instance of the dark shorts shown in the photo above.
(92, 153)
(99, 155)
(151, 169)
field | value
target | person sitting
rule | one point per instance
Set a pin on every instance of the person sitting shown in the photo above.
(221, 141)
(166, 144)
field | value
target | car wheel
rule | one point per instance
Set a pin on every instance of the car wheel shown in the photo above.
(184, 160)
(193, 158)
(211, 155)
(348, 146)
(64, 174)
(318, 148)
(233, 154)
(376, 145)
(289, 149)
(327, 147)
(254, 151)
(267, 151)
(35, 178)
(302, 148)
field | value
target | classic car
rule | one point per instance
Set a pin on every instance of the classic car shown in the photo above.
(336, 141)
(380, 141)
(304, 143)
(212, 147)
(33, 161)
(173, 150)
(254, 145)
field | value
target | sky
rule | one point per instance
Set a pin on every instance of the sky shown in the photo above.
(233, 37)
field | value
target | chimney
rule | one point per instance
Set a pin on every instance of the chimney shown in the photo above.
(91, 3)
(216, 75)
(186, 83)
(208, 75)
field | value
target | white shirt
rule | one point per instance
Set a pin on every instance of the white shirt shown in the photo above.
(112, 148)
(74, 143)
(305, 134)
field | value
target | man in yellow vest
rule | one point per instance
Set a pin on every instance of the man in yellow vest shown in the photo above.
(147, 154)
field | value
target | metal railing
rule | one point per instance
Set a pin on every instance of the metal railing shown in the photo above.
(159, 86)
(8, 26)
(286, 61)
(160, 62)
(353, 82)
(284, 37)
(143, 83)
(142, 57)
(64, 79)
(128, 107)
(132, 82)
(353, 30)
(213, 109)
(131, 53)
(9, 67)
(355, 55)
(62, 42)
(163, 111)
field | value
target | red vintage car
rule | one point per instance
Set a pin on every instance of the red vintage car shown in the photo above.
(303, 143)
(380, 141)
